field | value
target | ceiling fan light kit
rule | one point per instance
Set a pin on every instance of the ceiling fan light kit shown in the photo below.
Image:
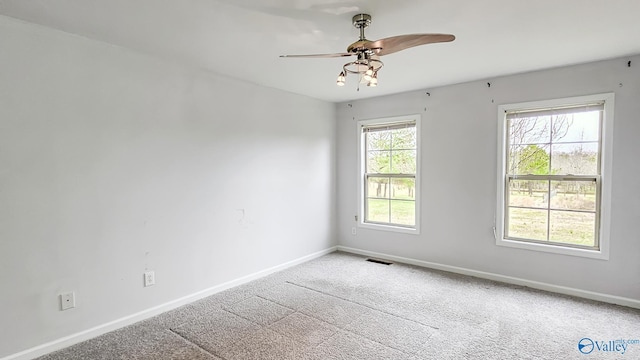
(367, 53)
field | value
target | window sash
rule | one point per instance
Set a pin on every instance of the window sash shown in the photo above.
(388, 126)
(524, 114)
(385, 127)
(367, 198)
(548, 208)
(554, 177)
(389, 175)
(559, 110)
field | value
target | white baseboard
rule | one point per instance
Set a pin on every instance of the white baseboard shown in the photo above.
(612, 299)
(145, 314)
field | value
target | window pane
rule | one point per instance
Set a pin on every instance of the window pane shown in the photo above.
(378, 140)
(378, 161)
(528, 159)
(529, 193)
(573, 195)
(404, 138)
(577, 127)
(378, 187)
(573, 228)
(403, 162)
(403, 189)
(533, 130)
(576, 159)
(527, 224)
(378, 210)
(403, 212)
(560, 126)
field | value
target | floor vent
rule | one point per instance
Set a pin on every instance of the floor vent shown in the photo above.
(379, 261)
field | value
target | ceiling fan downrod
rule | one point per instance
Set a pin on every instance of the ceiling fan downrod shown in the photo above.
(361, 21)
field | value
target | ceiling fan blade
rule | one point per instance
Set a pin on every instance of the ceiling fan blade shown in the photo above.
(393, 44)
(318, 55)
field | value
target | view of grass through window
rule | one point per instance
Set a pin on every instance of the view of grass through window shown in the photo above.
(553, 168)
(390, 168)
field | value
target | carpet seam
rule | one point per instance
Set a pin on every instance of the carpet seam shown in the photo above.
(277, 303)
(299, 342)
(372, 340)
(365, 305)
(234, 341)
(257, 323)
(196, 345)
(308, 314)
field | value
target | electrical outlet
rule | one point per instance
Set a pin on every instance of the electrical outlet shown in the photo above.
(353, 231)
(149, 278)
(67, 300)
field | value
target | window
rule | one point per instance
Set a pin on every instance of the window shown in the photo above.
(389, 173)
(554, 185)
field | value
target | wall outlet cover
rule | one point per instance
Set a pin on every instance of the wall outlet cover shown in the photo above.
(67, 300)
(149, 278)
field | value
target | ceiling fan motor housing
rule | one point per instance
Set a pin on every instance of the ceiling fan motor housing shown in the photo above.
(361, 21)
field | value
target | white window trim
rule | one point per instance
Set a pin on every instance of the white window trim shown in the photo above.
(361, 168)
(606, 172)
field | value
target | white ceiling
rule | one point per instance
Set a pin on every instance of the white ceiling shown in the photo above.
(243, 38)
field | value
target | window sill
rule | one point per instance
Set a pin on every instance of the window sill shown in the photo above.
(391, 228)
(555, 249)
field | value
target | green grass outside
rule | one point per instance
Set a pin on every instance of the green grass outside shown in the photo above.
(559, 201)
(402, 212)
(566, 226)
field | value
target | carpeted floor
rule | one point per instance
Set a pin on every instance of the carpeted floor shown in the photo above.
(342, 307)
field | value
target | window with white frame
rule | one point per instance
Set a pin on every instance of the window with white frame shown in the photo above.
(552, 178)
(389, 173)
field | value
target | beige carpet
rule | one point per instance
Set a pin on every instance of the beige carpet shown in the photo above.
(342, 307)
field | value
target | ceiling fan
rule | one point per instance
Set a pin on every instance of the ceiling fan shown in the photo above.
(368, 52)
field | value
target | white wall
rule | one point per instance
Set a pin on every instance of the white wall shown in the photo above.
(112, 162)
(459, 144)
